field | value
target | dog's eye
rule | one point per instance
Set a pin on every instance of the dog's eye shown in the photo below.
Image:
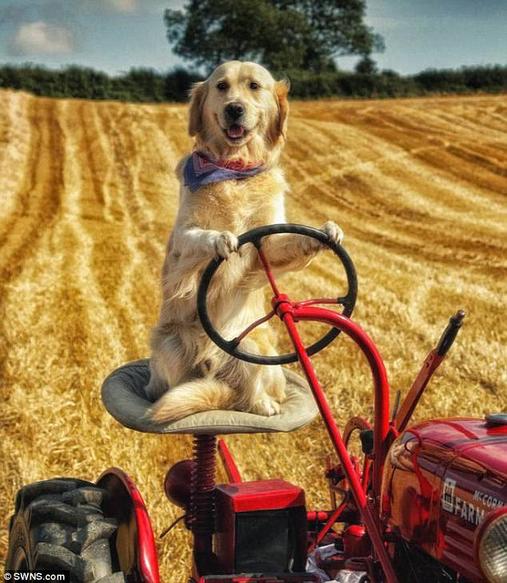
(254, 85)
(222, 86)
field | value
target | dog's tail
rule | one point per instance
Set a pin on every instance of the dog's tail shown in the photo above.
(192, 397)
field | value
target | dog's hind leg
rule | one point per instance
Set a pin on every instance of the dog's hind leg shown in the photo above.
(156, 386)
(168, 364)
(275, 382)
(268, 390)
(258, 389)
(272, 379)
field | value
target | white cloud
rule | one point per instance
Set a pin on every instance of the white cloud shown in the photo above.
(42, 38)
(123, 5)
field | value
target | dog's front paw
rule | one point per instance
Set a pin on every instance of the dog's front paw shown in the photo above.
(266, 406)
(310, 245)
(225, 244)
(333, 231)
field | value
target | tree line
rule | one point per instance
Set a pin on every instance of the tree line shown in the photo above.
(137, 85)
(148, 85)
(296, 39)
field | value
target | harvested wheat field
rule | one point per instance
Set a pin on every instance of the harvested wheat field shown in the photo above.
(87, 198)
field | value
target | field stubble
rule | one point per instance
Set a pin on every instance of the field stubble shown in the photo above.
(88, 196)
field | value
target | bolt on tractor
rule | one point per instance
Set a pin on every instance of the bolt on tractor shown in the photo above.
(421, 503)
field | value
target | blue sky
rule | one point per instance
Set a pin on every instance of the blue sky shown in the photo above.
(114, 35)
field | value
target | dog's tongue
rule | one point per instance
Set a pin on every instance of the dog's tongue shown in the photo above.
(235, 131)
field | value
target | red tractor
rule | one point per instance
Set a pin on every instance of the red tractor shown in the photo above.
(425, 503)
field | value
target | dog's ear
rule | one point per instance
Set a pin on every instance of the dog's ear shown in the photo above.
(197, 97)
(279, 128)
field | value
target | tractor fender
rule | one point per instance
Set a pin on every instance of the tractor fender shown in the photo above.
(135, 543)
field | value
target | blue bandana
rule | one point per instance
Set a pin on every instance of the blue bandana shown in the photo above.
(199, 170)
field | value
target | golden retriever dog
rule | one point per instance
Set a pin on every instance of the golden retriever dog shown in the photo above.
(231, 183)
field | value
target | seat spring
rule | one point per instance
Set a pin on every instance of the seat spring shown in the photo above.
(202, 494)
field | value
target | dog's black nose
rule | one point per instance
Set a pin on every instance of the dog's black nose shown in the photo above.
(234, 111)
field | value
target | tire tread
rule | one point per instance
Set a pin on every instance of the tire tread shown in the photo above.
(67, 529)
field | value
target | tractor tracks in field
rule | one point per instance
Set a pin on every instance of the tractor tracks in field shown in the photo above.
(39, 196)
(111, 255)
(119, 211)
(120, 261)
(15, 144)
(148, 195)
(37, 210)
(91, 195)
(84, 207)
(38, 206)
(400, 199)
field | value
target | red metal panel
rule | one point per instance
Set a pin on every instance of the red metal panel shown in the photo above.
(127, 505)
(261, 495)
(234, 499)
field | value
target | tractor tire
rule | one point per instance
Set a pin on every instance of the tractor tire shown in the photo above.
(58, 526)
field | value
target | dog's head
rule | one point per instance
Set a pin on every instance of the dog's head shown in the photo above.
(240, 107)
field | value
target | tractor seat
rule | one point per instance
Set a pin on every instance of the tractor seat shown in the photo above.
(124, 396)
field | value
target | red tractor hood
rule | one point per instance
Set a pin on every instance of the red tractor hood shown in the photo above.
(441, 479)
(469, 439)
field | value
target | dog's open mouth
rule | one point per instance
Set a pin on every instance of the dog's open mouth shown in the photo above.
(235, 132)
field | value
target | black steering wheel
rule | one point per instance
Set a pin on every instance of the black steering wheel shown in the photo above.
(255, 237)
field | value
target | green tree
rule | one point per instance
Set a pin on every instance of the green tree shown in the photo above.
(366, 66)
(281, 34)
